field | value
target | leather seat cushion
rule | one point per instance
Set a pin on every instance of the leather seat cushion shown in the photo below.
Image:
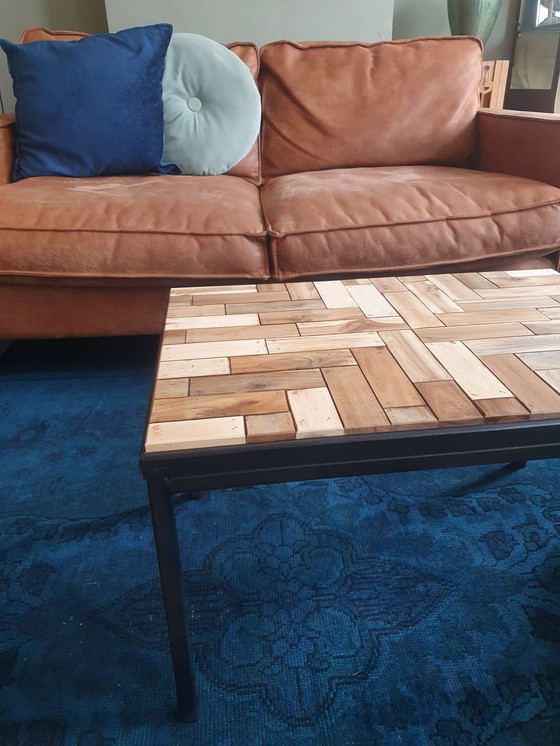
(406, 217)
(130, 227)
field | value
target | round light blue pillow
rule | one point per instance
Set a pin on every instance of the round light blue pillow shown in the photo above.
(211, 106)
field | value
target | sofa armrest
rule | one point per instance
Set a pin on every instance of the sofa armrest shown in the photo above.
(520, 143)
(7, 145)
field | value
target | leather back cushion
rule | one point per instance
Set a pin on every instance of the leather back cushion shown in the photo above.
(343, 104)
(249, 167)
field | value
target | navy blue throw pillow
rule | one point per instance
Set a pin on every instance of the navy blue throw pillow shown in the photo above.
(90, 107)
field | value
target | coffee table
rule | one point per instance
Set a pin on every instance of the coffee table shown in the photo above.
(266, 383)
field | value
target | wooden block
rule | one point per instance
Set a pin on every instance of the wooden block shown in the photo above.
(467, 370)
(314, 413)
(270, 287)
(266, 428)
(542, 272)
(199, 350)
(502, 410)
(356, 281)
(414, 357)
(302, 290)
(240, 383)
(432, 297)
(519, 292)
(357, 406)
(479, 331)
(173, 337)
(527, 387)
(335, 294)
(176, 436)
(449, 404)
(323, 342)
(371, 301)
(179, 310)
(539, 302)
(387, 379)
(351, 327)
(549, 359)
(218, 405)
(285, 305)
(214, 289)
(242, 332)
(551, 313)
(453, 287)
(499, 316)
(508, 280)
(388, 284)
(552, 377)
(544, 327)
(209, 322)
(292, 361)
(245, 298)
(215, 366)
(302, 316)
(169, 388)
(473, 280)
(410, 418)
(413, 311)
(533, 343)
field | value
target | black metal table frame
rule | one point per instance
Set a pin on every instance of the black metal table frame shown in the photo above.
(189, 471)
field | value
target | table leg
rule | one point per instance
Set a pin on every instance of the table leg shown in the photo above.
(169, 562)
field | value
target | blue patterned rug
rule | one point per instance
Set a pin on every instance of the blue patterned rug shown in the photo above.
(418, 609)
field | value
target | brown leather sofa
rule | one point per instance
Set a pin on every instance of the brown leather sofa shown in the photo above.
(372, 159)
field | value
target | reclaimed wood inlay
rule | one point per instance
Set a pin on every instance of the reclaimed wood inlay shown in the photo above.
(261, 363)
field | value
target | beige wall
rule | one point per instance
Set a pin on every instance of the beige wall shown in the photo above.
(16, 15)
(429, 18)
(261, 21)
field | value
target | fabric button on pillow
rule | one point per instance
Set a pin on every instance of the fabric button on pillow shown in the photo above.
(212, 107)
(90, 107)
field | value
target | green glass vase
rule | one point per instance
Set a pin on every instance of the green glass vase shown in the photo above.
(473, 17)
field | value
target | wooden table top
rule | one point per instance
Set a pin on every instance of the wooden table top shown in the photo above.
(268, 362)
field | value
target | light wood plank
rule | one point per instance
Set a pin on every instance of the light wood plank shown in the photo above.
(209, 322)
(218, 405)
(268, 428)
(519, 292)
(243, 382)
(453, 287)
(449, 403)
(410, 418)
(285, 305)
(292, 361)
(216, 366)
(214, 289)
(549, 359)
(479, 331)
(357, 406)
(242, 332)
(324, 342)
(199, 350)
(302, 290)
(413, 311)
(432, 297)
(389, 382)
(544, 327)
(351, 327)
(335, 294)
(473, 280)
(507, 280)
(551, 313)
(179, 310)
(174, 337)
(468, 371)
(539, 303)
(371, 301)
(303, 316)
(271, 287)
(245, 298)
(314, 413)
(169, 388)
(542, 272)
(175, 436)
(502, 410)
(388, 284)
(528, 388)
(533, 343)
(551, 377)
(414, 357)
(494, 316)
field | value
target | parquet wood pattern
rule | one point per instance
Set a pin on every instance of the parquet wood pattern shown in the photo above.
(259, 363)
